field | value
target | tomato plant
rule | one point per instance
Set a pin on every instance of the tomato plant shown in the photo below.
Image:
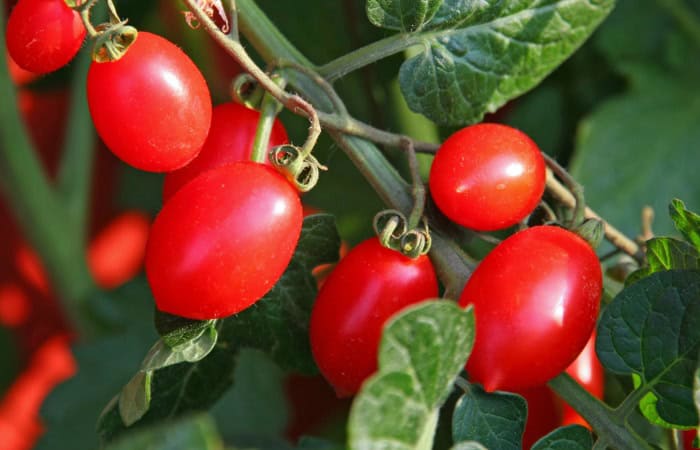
(209, 253)
(151, 107)
(347, 319)
(539, 286)
(230, 139)
(487, 176)
(43, 35)
(263, 317)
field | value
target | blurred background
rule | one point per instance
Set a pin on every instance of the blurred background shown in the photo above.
(623, 114)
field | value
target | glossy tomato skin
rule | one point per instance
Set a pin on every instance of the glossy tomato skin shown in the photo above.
(536, 298)
(368, 286)
(43, 35)
(151, 107)
(222, 241)
(487, 176)
(230, 139)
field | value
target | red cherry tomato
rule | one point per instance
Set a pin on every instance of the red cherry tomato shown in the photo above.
(222, 241)
(43, 35)
(18, 75)
(230, 139)
(587, 370)
(116, 253)
(543, 414)
(536, 298)
(365, 289)
(688, 438)
(151, 107)
(487, 176)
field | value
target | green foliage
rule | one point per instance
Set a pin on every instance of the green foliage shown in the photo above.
(197, 432)
(277, 324)
(653, 132)
(498, 53)
(652, 330)
(397, 408)
(496, 420)
(686, 222)
(574, 437)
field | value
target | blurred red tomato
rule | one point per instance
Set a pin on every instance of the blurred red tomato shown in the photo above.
(312, 402)
(116, 254)
(51, 364)
(543, 414)
(588, 371)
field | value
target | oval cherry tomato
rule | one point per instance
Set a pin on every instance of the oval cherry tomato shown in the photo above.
(589, 372)
(222, 241)
(230, 139)
(151, 107)
(536, 298)
(43, 35)
(369, 285)
(487, 176)
(116, 253)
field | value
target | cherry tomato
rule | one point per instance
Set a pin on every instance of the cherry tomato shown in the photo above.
(364, 290)
(536, 298)
(230, 139)
(688, 438)
(587, 370)
(312, 405)
(43, 35)
(116, 253)
(18, 75)
(543, 414)
(151, 107)
(222, 241)
(487, 176)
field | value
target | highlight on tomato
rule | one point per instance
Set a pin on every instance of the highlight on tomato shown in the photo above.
(43, 35)
(152, 106)
(230, 139)
(222, 241)
(536, 298)
(487, 176)
(368, 286)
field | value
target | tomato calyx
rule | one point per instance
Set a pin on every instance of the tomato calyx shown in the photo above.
(112, 39)
(592, 231)
(392, 229)
(297, 165)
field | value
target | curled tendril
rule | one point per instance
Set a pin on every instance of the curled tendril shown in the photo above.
(390, 225)
(113, 41)
(300, 170)
(392, 230)
(246, 91)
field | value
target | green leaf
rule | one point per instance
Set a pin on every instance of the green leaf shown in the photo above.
(183, 380)
(666, 254)
(397, 408)
(104, 365)
(651, 330)
(468, 446)
(646, 135)
(687, 222)
(574, 437)
(497, 54)
(312, 443)
(403, 15)
(495, 420)
(198, 432)
(176, 330)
